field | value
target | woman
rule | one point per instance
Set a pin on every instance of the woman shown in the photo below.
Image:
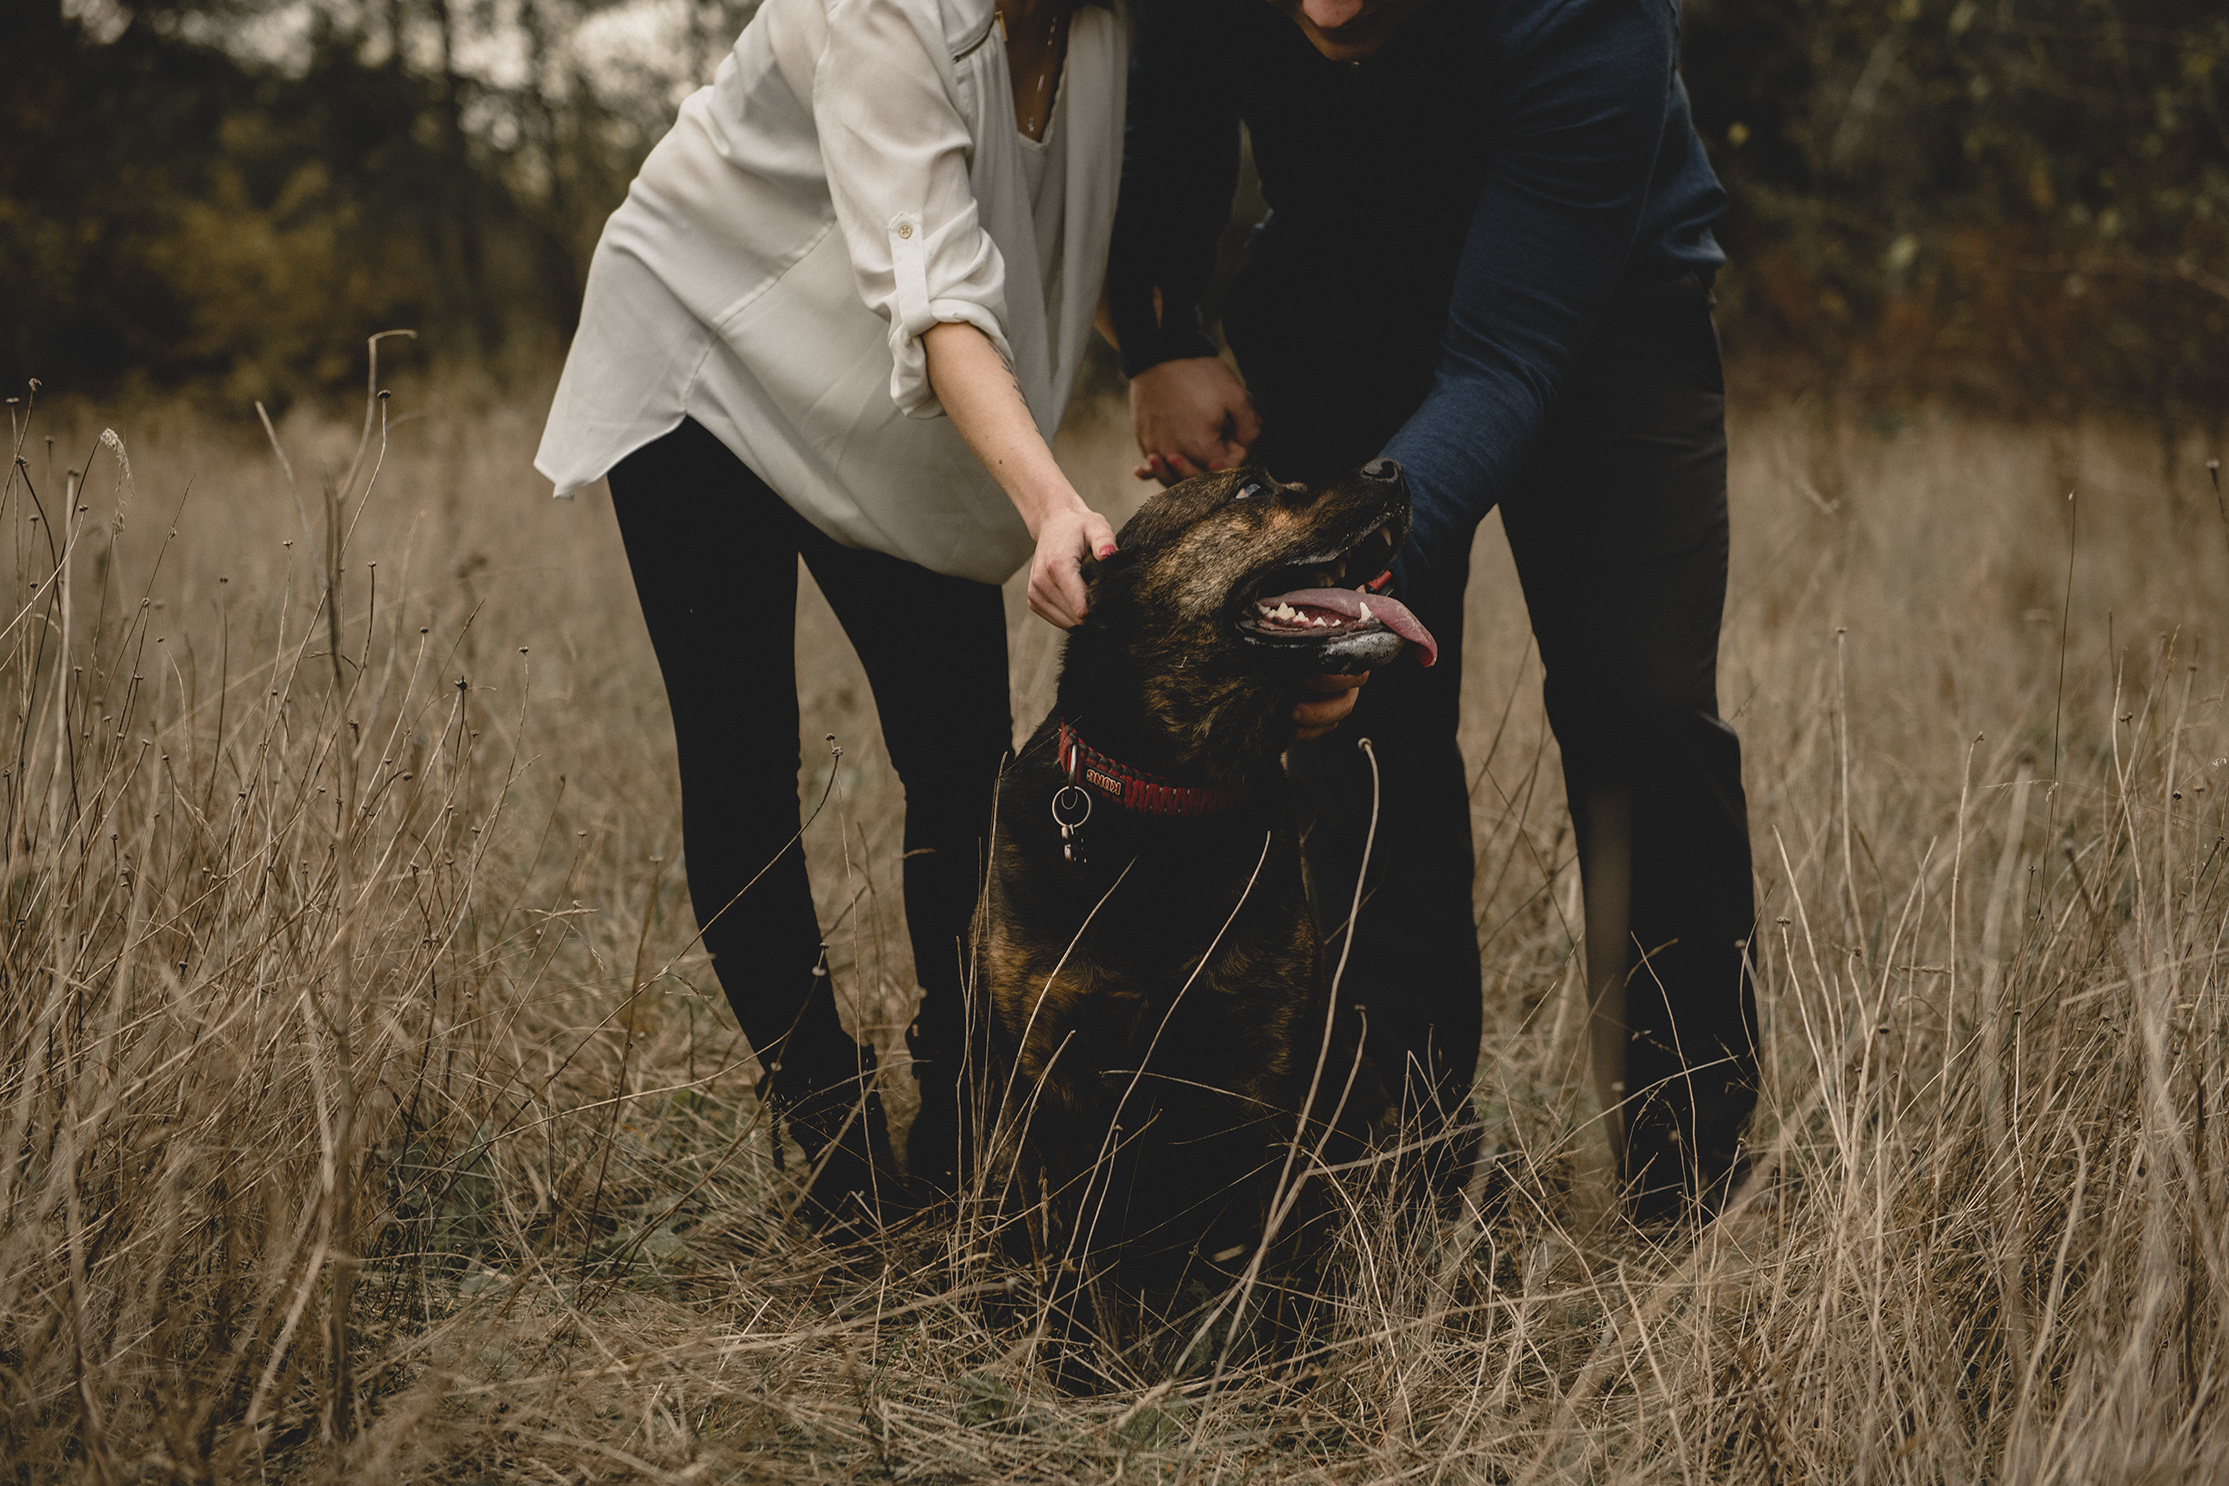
(881, 211)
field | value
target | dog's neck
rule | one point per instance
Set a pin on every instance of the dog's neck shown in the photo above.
(1164, 722)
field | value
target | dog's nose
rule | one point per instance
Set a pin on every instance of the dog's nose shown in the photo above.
(1382, 469)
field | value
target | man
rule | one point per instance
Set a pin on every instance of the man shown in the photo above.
(1489, 257)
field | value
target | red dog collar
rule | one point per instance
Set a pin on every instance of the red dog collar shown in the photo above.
(1143, 793)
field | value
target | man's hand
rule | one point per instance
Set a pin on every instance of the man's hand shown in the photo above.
(1190, 416)
(1329, 701)
(1064, 538)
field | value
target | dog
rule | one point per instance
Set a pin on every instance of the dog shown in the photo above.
(1150, 975)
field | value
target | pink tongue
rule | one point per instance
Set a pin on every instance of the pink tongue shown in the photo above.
(1392, 613)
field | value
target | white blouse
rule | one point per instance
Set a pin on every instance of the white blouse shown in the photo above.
(852, 177)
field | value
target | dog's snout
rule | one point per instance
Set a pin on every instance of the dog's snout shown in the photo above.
(1382, 469)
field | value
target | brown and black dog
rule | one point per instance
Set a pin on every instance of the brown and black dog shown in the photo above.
(1166, 1065)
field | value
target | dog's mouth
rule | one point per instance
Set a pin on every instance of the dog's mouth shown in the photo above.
(1333, 606)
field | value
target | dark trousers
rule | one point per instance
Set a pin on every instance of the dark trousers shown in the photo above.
(1619, 529)
(714, 553)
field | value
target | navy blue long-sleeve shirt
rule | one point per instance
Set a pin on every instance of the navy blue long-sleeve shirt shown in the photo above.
(1449, 218)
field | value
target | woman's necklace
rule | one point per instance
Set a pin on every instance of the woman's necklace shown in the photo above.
(1033, 102)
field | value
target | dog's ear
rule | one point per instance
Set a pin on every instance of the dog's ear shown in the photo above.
(1098, 572)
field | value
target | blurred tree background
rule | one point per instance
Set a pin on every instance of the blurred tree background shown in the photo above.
(2017, 203)
(229, 195)
(2021, 204)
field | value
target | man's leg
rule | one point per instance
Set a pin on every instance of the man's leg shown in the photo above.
(934, 649)
(1618, 526)
(714, 557)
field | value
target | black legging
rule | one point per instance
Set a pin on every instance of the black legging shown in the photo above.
(1618, 527)
(714, 554)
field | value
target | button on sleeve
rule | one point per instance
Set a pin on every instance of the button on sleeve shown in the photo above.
(896, 147)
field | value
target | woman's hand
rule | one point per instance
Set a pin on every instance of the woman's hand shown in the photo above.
(1190, 416)
(1064, 538)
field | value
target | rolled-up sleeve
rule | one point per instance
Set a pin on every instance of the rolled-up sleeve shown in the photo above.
(896, 148)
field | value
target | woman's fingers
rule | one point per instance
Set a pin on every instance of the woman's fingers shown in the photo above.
(1056, 581)
(1069, 586)
(1099, 537)
(1056, 590)
(1048, 607)
(1052, 601)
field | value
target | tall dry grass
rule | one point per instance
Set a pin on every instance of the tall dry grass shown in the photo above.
(368, 1113)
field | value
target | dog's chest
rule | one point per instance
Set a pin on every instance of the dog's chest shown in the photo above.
(1187, 954)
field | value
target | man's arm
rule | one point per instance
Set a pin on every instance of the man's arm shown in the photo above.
(1585, 98)
(1179, 170)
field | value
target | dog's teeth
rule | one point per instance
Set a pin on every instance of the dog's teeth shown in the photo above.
(1365, 608)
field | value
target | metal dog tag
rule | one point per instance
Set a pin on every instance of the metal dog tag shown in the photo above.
(1071, 808)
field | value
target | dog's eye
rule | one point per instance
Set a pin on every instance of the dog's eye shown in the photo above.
(1249, 490)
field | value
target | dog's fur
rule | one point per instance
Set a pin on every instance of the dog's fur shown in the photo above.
(1159, 1011)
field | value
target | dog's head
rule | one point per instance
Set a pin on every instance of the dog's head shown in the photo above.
(1226, 590)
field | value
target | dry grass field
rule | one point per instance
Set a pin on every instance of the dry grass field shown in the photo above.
(366, 1112)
